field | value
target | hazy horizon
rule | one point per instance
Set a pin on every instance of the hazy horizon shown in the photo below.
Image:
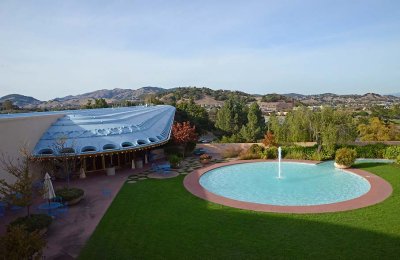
(53, 49)
(283, 93)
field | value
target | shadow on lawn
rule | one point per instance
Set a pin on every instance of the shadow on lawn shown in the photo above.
(176, 225)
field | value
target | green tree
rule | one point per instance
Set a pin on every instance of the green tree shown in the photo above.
(377, 130)
(254, 129)
(277, 128)
(100, 103)
(232, 116)
(21, 192)
(298, 125)
(327, 127)
(89, 104)
(190, 111)
(8, 105)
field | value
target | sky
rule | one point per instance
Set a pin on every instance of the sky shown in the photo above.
(53, 48)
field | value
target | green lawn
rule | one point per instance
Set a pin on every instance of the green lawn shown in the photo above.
(157, 219)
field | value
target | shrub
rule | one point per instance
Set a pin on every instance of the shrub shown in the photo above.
(256, 149)
(270, 153)
(174, 160)
(398, 159)
(370, 150)
(32, 223)
(231, 152)
(317, 156)
(18, 243)
(345, 156)
(269, 139)
(69, 194)
(392, 152)
(296, 154)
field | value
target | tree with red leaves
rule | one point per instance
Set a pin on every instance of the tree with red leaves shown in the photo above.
(184, 133)
(269, 139)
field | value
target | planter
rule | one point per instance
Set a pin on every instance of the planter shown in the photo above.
(74, 201)
(70, 196)
(341, 166)
(36, 222)
(205, 161)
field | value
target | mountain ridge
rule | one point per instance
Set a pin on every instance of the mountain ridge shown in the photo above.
(119, 94)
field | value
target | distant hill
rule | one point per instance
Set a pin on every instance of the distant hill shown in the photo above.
(395, 94)
(21, 100)
(116, 94)
(111, 95)
(294, 95)
(202, 96)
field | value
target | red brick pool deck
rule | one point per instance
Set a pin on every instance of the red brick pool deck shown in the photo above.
(380, 190)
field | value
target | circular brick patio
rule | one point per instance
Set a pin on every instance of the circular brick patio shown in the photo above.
(380, 190)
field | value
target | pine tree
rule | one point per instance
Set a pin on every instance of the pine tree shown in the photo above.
(255, 126)
(232, 116)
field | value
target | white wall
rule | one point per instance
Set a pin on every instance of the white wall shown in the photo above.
(16, 132)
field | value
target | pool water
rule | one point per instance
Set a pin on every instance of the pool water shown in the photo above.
(301, 184)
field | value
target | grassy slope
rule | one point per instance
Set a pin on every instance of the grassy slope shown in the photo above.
(160, 219)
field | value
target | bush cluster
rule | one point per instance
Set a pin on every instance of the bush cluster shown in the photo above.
(33, 222)
(270, 153)
(380, 151)
(256, 151)
(174, 160)
(311, 153)
(345, 156)
(306, 153)
(68, 194)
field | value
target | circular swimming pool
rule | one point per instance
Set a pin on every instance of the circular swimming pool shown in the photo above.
(301, 184)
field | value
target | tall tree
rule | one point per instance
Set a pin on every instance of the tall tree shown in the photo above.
(254, 129)
(232, 116)
(277, 128)
(190, 111)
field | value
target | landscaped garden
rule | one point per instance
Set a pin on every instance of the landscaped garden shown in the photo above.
(155, 219)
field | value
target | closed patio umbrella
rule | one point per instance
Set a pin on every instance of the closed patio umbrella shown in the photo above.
(48, 186)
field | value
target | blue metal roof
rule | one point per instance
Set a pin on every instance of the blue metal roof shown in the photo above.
(106, 130)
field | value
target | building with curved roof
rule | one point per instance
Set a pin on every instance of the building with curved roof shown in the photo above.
(106, 130)
(95, 138)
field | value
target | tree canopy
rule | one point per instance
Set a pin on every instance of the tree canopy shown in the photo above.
(232, 116)
(254, 129)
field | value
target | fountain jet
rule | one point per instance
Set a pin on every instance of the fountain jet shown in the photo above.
(279, 162)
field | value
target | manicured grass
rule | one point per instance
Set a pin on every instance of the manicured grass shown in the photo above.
(158, 219)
